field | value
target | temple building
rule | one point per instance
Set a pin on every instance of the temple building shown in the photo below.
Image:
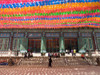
(49, 26)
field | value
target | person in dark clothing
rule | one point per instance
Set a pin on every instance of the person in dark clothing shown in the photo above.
(50, 62)
(28, 52)
(25, 55)
(28, 55)
(17, 52)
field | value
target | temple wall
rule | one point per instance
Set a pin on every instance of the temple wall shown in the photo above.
(82, 35)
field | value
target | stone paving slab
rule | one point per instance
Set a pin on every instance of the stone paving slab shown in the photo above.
(32, 70)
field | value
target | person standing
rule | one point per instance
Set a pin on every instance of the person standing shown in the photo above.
(83, 56)
(50, 62)
(74, 51)
(28, 52)
(67, 51)
(28, 55)
(25, 55)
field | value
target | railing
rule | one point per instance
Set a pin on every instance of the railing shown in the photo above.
(19, 61)
(91, 60)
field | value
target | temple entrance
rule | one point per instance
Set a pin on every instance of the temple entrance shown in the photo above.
(52, 45)
(71, 44)
(34, 45)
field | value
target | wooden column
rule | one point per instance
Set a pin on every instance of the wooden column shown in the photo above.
(26, 36)
(79, 40)
(11, 41)
(94, 40)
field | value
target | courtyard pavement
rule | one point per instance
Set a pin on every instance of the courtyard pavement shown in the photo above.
(32, 70)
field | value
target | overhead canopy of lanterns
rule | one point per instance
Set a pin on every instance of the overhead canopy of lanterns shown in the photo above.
(49, 13)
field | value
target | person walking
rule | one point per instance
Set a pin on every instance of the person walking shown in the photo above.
(50, 62)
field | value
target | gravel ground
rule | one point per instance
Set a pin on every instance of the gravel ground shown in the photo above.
(33, 70)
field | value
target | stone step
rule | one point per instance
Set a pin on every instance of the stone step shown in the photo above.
(55, 61)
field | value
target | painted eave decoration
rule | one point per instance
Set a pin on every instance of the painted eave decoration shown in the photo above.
(29, 14)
